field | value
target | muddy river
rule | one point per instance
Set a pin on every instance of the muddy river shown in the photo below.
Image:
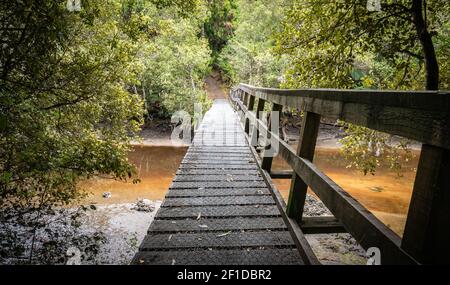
(386, 193)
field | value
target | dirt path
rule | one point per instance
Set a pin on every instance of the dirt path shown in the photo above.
(214, 88)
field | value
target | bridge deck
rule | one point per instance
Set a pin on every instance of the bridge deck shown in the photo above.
(218, 209)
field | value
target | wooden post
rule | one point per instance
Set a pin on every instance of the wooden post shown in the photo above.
(266, 163)
(251, 104)
(427, 231)
(305, 149)
(255, 131)
(245, 99)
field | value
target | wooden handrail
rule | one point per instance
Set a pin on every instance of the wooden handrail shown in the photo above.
(393, 98)
(421, 115)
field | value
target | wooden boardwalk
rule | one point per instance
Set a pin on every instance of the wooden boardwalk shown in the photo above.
(219, 209)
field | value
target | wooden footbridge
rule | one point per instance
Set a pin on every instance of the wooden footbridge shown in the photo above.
(222, 207)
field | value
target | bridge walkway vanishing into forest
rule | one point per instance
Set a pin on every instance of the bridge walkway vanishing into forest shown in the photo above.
(222, 207)
(219, 209)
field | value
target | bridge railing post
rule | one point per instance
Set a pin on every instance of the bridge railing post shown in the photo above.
(305, 149)
(251, 104)
(245, 98)
(254, 138)
(266, 162)
(427, 230)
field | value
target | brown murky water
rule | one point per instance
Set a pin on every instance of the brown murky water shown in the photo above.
(385, 194)
(156, 167)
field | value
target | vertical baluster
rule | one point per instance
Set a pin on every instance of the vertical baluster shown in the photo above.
(251, 104)
(266, 163)
(255, 131)
(427, 230)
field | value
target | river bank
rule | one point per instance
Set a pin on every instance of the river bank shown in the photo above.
(124, 224)
(386, 194)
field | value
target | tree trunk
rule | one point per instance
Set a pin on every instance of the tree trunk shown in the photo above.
(431, 64)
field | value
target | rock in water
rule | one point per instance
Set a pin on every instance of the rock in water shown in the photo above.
(144, 205)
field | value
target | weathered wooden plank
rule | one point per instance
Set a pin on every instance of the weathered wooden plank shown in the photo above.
(321, 225)
(228, 139)
(225, 139)
(217, 192)
(213, 152)
(219, 142)
(217, 184)
(281, 174)
(427, 230)
(190, 171)
(279, 256)
(220, 134)
(217, 166)
(218, 201)
(224, 157)
(216, 240)
(211, 225)
(218, 177)
(218, 153)
(222, 148)
(218, 211)
(219, 162)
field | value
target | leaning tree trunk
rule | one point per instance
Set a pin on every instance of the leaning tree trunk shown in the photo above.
(431, 64)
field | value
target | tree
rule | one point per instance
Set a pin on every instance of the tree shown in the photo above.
(219, 26)
(175, 59)
(248, 56)
(343, 44)
(346, 29)
(68, 109)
